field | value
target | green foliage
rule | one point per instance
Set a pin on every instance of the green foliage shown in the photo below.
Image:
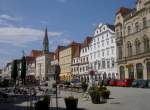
(14, 70)
(97, 92)
(23, 67)
(84, 86)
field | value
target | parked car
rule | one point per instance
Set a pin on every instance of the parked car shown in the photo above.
(148, 83)
(113, 82)
(143, 84)
(138, 83)
(126, 82)
(119, 83)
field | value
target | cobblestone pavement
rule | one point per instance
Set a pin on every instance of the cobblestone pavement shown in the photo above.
(120, 99)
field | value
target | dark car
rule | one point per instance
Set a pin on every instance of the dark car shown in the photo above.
(139, 83)
(143, 84)
(148, 83)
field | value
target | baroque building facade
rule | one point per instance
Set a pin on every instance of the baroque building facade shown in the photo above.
(102, 52)
(80, 64)
(132, 28)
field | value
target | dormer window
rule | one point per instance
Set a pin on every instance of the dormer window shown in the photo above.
(144, 22)
(104, 28)
(97, 31)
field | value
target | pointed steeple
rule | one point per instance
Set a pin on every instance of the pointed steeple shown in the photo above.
(45, 43)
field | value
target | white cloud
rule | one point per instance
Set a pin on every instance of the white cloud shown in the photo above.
(4, 23)
(21, 35)
(10, 18)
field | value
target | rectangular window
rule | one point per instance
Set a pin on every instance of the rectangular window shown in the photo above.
(120, 52)
(129, 29)
(91, 56)
(103, 64)
(112, 41)
(98, 53)
(113, 63)
(107, 51)
(144, 22)
(107, 42)
(112, 51)
(108, 64)
(103, 44)
(103, 54)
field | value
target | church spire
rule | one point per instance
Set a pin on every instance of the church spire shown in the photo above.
(45, 43)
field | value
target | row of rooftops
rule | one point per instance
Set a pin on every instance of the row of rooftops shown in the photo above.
(85, 43)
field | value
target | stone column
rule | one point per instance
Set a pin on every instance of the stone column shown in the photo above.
(144, 71)
(135, 72)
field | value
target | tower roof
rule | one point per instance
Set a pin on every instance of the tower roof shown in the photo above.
(45, 37)
(45, 43)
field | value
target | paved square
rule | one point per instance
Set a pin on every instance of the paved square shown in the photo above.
(120, 99)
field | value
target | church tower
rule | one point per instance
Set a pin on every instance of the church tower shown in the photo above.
(46, 43)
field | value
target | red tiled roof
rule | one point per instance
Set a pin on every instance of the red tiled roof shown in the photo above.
(36, 53)
(30, 59)
(124, 11)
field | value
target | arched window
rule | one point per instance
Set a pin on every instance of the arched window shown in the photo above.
(139, 71)
(109, 75)
(148, 70)
(146, 44)
(122, 73)
(129, 46)
(137, 46)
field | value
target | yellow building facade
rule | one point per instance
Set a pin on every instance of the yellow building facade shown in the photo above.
(65, 60)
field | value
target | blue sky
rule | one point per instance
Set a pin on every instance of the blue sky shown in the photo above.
(22, 22)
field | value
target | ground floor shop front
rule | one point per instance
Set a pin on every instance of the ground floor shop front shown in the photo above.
(135, 69)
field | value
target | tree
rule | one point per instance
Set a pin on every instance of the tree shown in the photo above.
(23, 69)
(14, 71)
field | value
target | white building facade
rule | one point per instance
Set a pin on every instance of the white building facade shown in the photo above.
(102, 52)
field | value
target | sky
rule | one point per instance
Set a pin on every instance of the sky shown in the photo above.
(22, 23)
